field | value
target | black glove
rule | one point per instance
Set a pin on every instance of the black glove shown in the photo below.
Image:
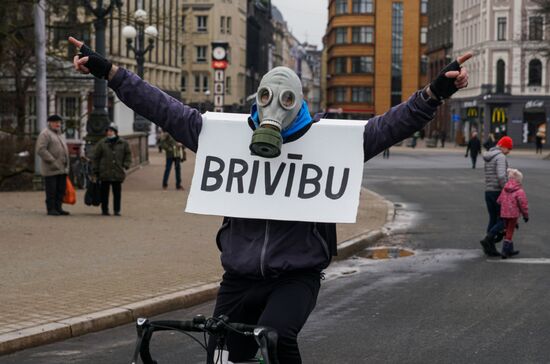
(526, 218)
(443, 87)
(97, 64)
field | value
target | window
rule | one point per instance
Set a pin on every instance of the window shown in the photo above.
(362, 35)
(501, 29)
(201, 54)
(68, 107)
(340, 94)
(363, 6)
(535, 28)
(535, 73)
(228, 25)
(362, 64)
(228, 85)
(340, 65)
(501, 75)
(423, 35)
(183, 23)
(222, 24)
(202, 23)
(424, 7)
(183, 84)
(182, 54)
(341, 35)
(361, 94)
(397, 54)
(424, 65)
(341, 6)
(201, 82)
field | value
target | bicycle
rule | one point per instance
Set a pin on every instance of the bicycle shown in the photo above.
(217, 327)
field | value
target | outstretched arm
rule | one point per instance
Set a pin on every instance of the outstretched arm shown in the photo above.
(401, 121)
(180, 121)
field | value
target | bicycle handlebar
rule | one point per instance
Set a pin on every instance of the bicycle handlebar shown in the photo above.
(265, 337)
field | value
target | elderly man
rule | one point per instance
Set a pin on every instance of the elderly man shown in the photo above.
(52, 149)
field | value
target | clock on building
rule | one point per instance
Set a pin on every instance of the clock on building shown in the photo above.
(219, 53)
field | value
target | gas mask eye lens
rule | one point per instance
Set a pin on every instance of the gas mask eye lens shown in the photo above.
(287, 99)
(264, 97)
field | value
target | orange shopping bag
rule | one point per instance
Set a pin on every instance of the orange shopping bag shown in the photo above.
(70, 193)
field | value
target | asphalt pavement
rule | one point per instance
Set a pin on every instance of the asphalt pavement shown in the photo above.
(447, 303)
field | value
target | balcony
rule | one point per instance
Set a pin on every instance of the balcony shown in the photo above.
(492, 89)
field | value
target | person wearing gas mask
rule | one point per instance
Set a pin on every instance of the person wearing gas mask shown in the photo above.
(272, 268)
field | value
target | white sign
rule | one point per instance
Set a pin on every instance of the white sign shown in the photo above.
(316, 178)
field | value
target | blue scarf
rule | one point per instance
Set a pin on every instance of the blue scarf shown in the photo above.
(302, 120)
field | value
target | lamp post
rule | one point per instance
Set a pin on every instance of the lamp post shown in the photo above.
(99, 118)
(140, 50)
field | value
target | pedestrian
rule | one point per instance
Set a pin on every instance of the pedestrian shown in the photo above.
(540, 138)
(273, 268)
(490, 142)
(415, 137)
(474, 148)
(386, 154)
(54, 154)
(157, 138)
(496, 177)
(175, 155)
(443, 136)
(112, 157)
(513, 203)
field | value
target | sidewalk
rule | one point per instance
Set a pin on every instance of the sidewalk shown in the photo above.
(65, 276)
(451, 147)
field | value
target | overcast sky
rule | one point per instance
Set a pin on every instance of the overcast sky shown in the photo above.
(307, 19)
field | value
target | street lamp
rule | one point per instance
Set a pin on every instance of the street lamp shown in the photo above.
(139, 34)
(99, 118)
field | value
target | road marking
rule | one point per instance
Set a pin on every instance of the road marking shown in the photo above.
(521, 260)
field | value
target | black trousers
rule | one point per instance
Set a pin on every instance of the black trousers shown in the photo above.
(496, 224)
(117, 190)
(55, 191)
(282, 303)
(168, 167)
(474, 159)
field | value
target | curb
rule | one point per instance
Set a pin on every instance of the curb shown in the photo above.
(76, 326)
(360, 242)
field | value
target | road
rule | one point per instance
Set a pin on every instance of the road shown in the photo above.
(445, 304)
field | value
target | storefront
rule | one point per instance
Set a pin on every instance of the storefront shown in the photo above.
(520, 117)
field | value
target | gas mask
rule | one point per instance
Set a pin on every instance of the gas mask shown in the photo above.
(279, 100)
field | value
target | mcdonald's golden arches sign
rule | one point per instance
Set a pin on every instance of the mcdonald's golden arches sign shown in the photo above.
(472, 112)
(499, 115)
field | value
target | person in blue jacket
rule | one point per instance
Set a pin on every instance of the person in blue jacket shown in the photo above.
(273, 268)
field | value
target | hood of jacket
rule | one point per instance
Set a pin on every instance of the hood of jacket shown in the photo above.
(493, 152)
(512, 186)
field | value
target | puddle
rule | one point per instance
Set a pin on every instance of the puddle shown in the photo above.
(385, 253)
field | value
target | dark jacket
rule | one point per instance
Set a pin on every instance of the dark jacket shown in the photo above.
(111, 159)
(266, 248)
(474, 147)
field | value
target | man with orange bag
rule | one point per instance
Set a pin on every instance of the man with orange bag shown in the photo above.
(52, 149)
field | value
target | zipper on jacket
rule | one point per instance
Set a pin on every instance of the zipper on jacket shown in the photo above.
(264, 248)
(323, 242)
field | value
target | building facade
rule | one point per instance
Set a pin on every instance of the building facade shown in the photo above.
(374, 52)
(204, 22)
(509, 83)
(439, 53)
(259, 44)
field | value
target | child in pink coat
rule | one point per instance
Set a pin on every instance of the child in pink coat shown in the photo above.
(513, 203)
